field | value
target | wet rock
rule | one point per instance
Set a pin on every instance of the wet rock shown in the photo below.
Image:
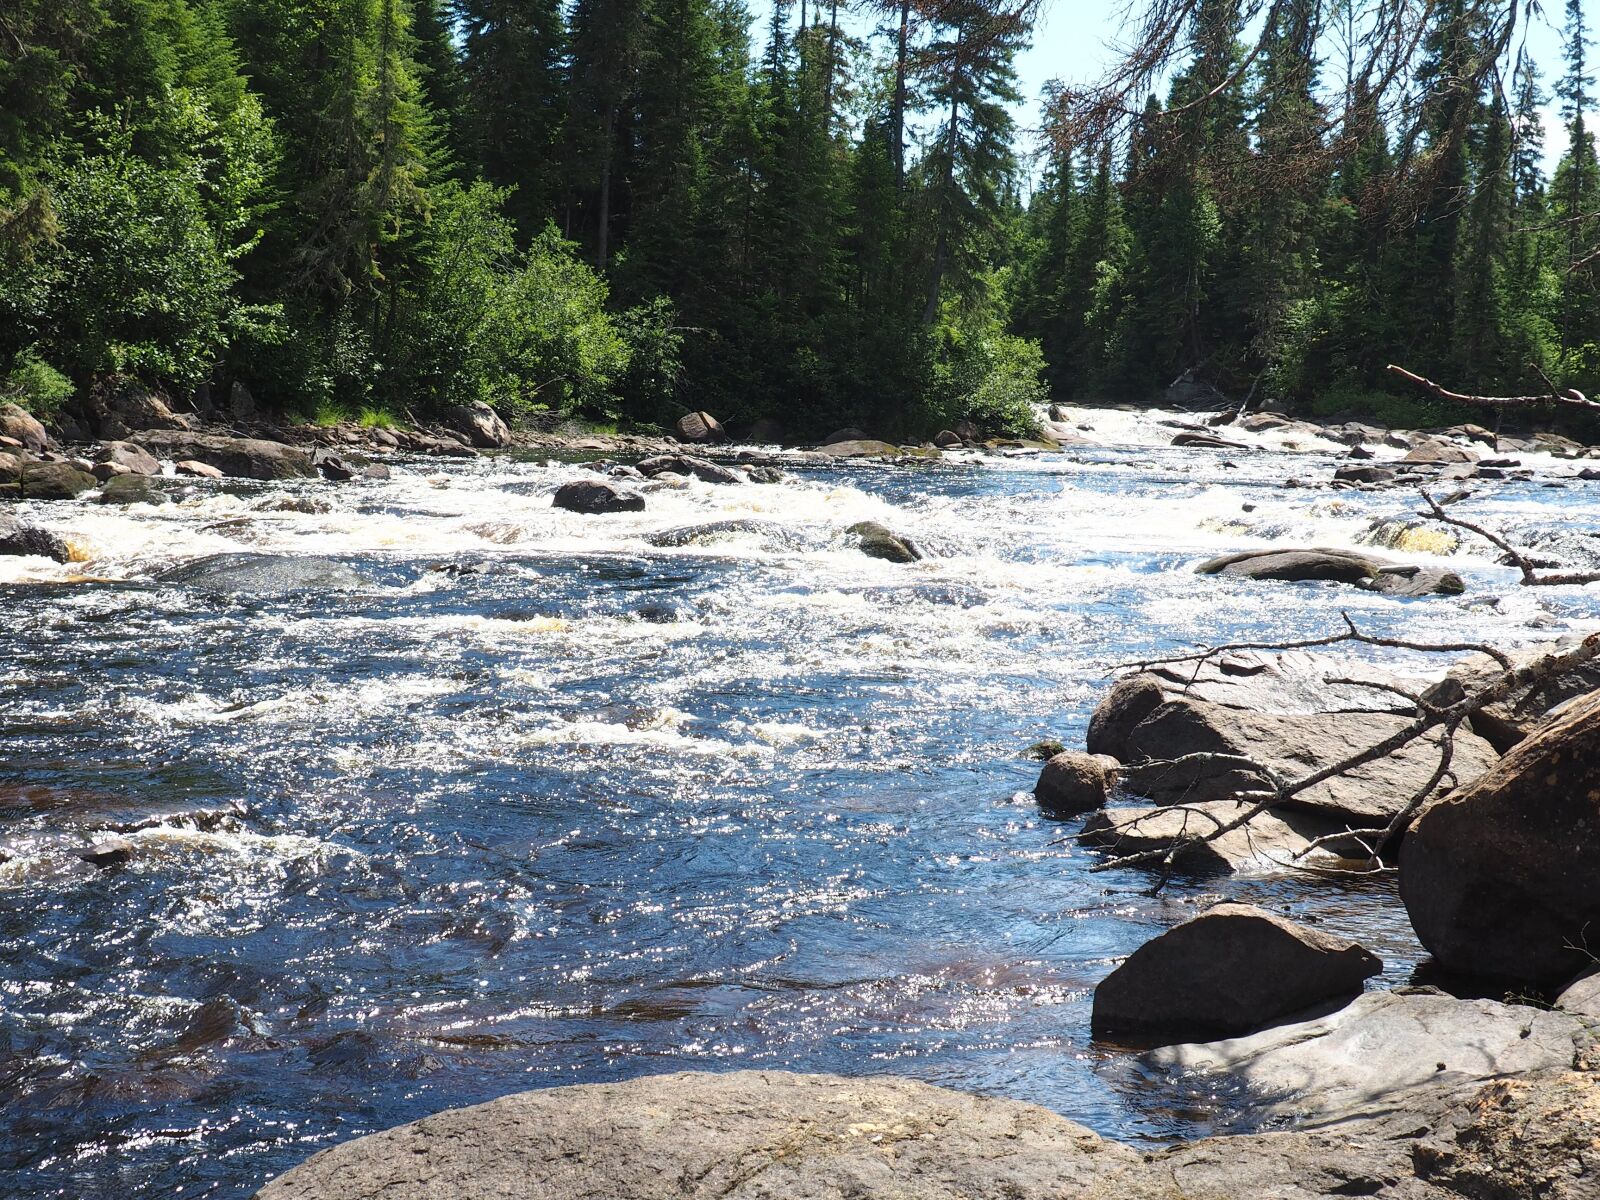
(129, 457)
(1581, 997)
(439, 447)
(132, 489)
(1071, 783)
(1129, 702)
(686, 464)
(19, 538)
(1288, 746)
(1294, 566)
(196, 470)
(249, 458)
(1438, 452)
(761, 473)
(967, 430)
(876, 541)
(1271, 841)
(692, 535)
(1371, 475)
(375, 471)
(1499, 877)
(480, 425)
(251, 574)
(591, 497)
(1416, 581)
(857, 448)
(743, 1135)
(1287, 681)
(108, 852)
(947, 439)
(1506, 722)
(1199, 439)
(337, 468)
(1412, 1050)
(22, 426)
(1233, 969)
(700, 427)
(52, 481)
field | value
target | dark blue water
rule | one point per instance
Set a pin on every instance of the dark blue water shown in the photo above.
(593, 809)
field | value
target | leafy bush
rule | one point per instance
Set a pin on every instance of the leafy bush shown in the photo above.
(989, 377)
(35, 384)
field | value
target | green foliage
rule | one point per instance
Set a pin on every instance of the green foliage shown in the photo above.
(35, 385)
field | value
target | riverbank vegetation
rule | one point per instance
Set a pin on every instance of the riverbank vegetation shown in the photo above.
(622, 209)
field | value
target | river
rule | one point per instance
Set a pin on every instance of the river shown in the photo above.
(546, 802)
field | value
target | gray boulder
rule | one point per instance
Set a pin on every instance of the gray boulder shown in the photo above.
(116, 407)
(249, 458)
(480, 424)
(876, 541)
(1416, 581)
(1272, 841)
(1072, 783)
(18, 423)
(264, 574)
(745, 1135)
(1430, 451)
(132, 459)
(1506, 722)
(1199, 439)
(1581, 997)
(859, 448)
(848, 434)
(1499, 877)
(1233, 969)
(1413, 1050)
(688, 464)
(1294, 566)
(52, 481)
(1289, 745)
(700, 427)
(17, 538)
(590, 496)
(946, 439)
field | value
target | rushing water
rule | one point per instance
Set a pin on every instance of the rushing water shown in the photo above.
(581, 807)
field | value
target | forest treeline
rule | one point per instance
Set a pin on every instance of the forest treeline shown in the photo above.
(622, 209)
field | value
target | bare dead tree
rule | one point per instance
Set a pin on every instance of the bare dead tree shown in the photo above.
(1532, 576)
(1571, 398)
(1428, 717)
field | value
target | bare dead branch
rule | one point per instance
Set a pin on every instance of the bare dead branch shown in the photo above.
(1530, 570)
(1571, 398)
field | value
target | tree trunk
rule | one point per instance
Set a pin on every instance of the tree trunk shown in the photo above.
(897, 114)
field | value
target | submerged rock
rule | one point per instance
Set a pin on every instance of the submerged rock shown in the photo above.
(687, 464)
(249, 574)
(1499, 877)
(29, 540)
(1233, 969)
(1072, 783)
(859, 448)
(591, 496)
(132, 489)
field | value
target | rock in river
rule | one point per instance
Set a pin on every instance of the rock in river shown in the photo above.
(1289, 745)
(479, 424)
(1072, 783)
(1408, 1051)
(700, 427)
(590, 496)
(17, 538)
(1231, 970)
(1271, 840)
(251, 458)
(1506, 722)
(52, 481)
(1502, 877)
(1294, 566)
(876, 541)
(18, 423)
(252, 574)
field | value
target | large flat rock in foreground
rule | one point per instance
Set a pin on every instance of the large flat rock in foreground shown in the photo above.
(778, 1136)
(742, 1135)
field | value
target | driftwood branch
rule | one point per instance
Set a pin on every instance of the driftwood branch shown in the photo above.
(1571, 398)
(1448, 719)
(1531, 576)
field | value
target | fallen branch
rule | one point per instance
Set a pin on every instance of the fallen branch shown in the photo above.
(1447, 718)
(1571, 398)
(1529, 569)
